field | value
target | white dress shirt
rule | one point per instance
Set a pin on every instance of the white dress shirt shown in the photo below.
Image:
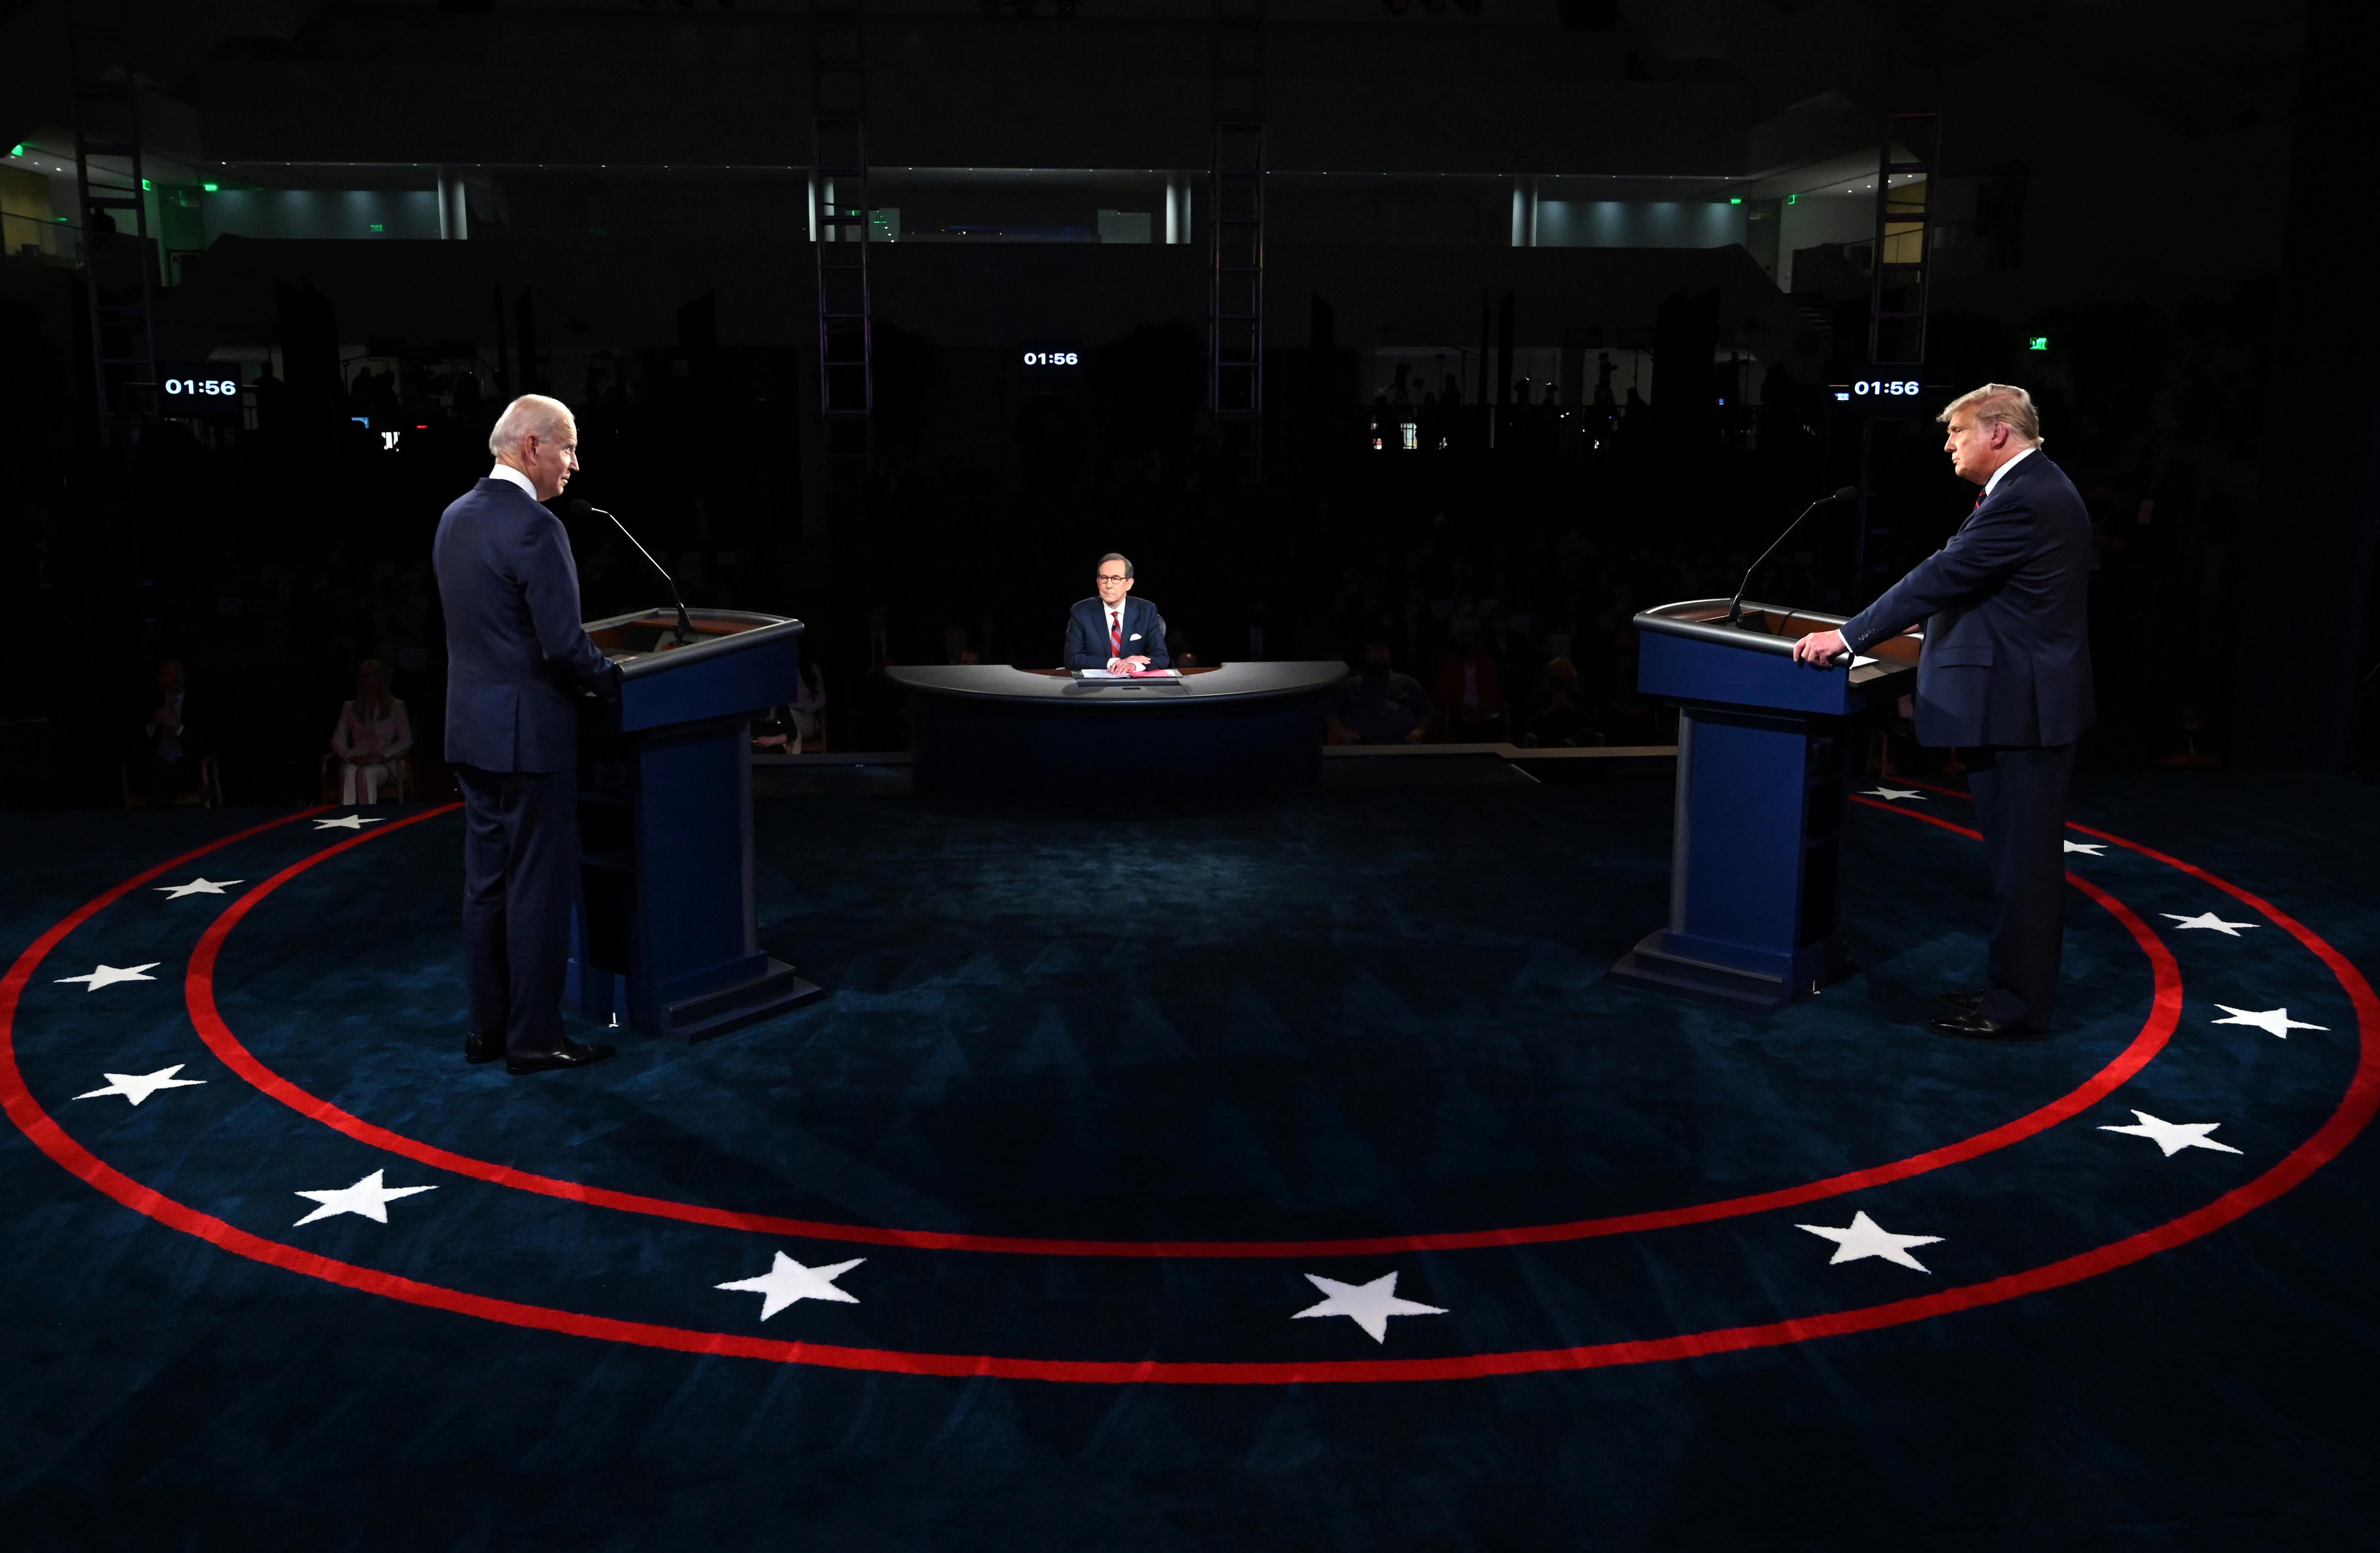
(505, 471)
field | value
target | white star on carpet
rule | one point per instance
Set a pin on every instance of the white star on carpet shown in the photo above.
(787, 1281)
(2089, 849)
(369, 1197)
(136, 1088)
(108, 975)
(196, 887)
(1890, 794)
(1863, 1237)
(2275, 1020)
(2209, 920)
(2174, 1137)
(1368, 1305)
(352, 823)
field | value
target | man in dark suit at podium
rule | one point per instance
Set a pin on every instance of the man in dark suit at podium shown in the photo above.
(2005, 675)
(516, 656)
(1114, 630)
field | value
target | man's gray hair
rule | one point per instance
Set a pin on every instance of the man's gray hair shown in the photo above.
(1116, 555)
(531, 415)
(2002, 404)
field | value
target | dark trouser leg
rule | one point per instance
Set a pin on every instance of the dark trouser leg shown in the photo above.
(539, 894)
(2020, 809)
(487, 855)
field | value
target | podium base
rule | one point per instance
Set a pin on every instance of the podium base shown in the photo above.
(776, 989)
(1648, 965)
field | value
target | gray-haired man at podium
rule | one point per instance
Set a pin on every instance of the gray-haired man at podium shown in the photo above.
(516, 656)
(2005, 675)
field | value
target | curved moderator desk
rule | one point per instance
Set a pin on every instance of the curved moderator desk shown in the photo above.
(988, 728)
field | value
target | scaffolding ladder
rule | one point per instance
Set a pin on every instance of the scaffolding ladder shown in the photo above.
(1235, 220)
(1901, 283)
(839, 220)
(1900, 278)
(109, 180)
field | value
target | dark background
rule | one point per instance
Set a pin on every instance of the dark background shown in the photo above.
(2125, 192)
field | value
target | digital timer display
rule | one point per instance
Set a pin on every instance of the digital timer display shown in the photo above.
(1878, 390)
(1045, 357)
(191, 389)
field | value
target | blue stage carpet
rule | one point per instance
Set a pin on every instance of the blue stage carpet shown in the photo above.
(1214, 1175)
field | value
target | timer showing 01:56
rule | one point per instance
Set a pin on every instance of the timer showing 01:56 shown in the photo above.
(1053, 359)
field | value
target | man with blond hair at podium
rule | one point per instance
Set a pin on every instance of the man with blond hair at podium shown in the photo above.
(516, 659)
(2005, 676)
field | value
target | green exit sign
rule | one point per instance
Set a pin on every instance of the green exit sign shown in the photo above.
(2038, 342)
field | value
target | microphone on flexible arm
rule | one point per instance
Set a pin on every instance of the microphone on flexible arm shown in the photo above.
(683, 630)
(1735, 605)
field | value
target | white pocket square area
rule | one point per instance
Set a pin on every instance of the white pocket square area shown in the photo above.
(1135, 636)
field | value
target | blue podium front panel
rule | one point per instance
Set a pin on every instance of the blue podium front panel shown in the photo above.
(1736, 854)
(1764, 747)
(666, 934)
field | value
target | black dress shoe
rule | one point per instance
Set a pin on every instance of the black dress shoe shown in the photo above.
(484, 1048)
(1975, 1026)
(1965, 1003)
(569, 1054)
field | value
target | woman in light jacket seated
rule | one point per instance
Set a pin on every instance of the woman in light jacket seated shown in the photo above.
(371, 733)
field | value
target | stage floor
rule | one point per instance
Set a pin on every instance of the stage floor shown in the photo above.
(1252, 1173)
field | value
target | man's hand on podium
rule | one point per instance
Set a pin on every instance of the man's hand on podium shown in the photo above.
(1820, 648)
(1132, 664)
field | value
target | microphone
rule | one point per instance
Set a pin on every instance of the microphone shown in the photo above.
(1735, 605)
(683, 630)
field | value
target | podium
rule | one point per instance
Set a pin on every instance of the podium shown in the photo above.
(1765, 750)
(665, 936)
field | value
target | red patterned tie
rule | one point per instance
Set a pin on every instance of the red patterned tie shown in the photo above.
(1115, 633)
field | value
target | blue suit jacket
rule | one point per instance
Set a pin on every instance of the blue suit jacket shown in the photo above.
(1087, 634)
(2007, 650)
(515, 650)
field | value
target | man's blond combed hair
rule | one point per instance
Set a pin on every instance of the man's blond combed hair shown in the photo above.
(2002, 404)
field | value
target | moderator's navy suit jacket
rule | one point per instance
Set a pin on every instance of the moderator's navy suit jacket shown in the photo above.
(1087, 634)
(515, 650)
(2007, 660)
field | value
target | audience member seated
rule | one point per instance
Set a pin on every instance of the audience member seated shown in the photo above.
(1556, 717)
(1471, 692)
(371, 736)
(1378, 705)
(174, 748)
(795, 726)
